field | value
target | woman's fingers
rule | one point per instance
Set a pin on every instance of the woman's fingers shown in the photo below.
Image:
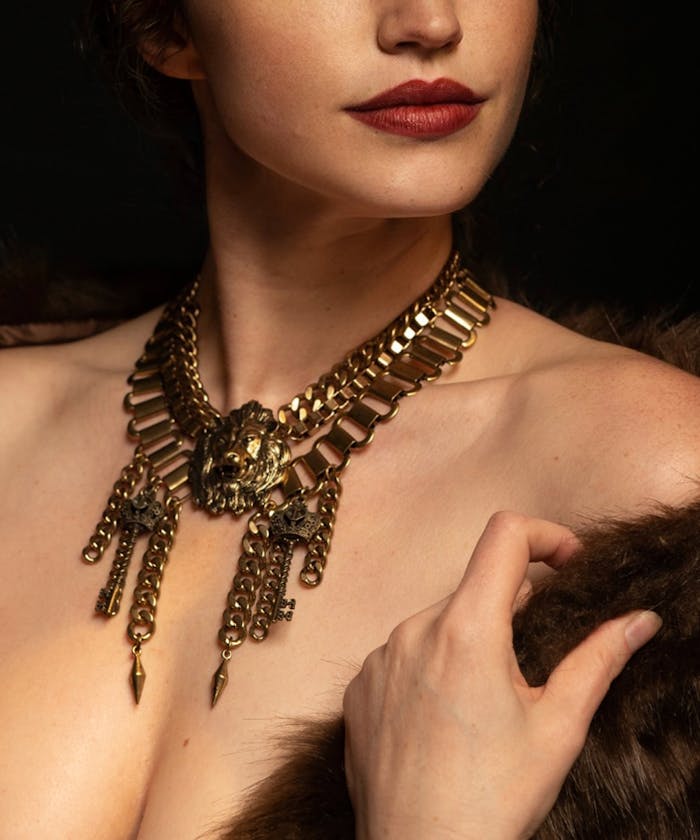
(441, 726)
(577, 686)
(500, 559)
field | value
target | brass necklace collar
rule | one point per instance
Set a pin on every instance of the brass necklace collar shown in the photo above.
(244, 461)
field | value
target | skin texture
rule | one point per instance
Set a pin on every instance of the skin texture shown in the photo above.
(249, 52)
(322, 230)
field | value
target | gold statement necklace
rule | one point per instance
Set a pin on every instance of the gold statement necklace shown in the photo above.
(242, 462)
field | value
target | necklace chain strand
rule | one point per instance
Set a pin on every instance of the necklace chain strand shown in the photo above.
(241, 462)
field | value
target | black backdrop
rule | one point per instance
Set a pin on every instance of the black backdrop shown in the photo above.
(598, 209)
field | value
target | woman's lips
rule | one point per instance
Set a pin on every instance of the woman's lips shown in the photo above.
(427, 110)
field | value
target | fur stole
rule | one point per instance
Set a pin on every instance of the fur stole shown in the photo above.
(638, 777)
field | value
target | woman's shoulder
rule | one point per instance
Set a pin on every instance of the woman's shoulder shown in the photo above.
(625, 424)
(42, 382)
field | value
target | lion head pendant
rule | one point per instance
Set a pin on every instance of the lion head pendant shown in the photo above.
(236, 463)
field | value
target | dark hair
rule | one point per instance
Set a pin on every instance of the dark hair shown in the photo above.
(112, 33)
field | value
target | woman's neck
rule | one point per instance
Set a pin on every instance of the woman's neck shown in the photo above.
(284, 300)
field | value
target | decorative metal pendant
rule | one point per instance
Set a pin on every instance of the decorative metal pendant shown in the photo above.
(290, 526)
(236, 463)
(259, 597)
(294, 523)
(136, 516)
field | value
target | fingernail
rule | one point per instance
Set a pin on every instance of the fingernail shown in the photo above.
(641, 628)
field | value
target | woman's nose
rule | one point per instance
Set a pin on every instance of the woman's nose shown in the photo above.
(418, 25)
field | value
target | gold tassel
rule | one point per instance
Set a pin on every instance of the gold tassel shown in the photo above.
(108, 524)
(145, 600)
(137, 516)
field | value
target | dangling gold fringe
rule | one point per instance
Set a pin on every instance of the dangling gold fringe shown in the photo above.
(145, 601)
(320, 543)
(137, 516)
(107, 526)
(257, 597)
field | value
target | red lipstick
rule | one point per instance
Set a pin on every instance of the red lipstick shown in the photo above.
(425, 110)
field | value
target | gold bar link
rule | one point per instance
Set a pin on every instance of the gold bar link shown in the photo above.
(340, 440)
(153, 433)
(145, 385)
(291, 483)
(408, 372)
(447, 339)
(476, 289)
(469, 335)
(472, 300)
(384, 391)
(460, 317)
(422, 353)
(359, 442)
(163, 456)
(466, 298)
(317, 463)
(364, 415)
(333, 454)
(148, 408)
(149, 364)
(449, 356)
(175, 479)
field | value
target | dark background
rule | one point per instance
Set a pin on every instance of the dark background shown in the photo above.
(600, 178)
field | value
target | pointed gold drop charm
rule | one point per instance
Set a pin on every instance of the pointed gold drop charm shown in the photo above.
(220, 680)
(138, 675)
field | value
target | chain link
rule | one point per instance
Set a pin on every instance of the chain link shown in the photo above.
(319, 545)
(277, 568)
(246, 583)
(145, 600)
(108, 525)
(321, 401)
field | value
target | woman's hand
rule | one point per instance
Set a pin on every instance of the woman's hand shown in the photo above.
(445, 739)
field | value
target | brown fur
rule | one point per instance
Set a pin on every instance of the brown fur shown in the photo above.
(638, 777)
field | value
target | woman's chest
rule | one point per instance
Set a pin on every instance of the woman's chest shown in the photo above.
(82, 759)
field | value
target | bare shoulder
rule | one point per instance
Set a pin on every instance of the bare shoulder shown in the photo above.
(611, 429)
(33, 380)
(44, 384)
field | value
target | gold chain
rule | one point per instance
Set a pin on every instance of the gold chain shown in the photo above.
(308, 410)
(239, 460)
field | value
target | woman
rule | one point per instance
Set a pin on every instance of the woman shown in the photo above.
(339, 141)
